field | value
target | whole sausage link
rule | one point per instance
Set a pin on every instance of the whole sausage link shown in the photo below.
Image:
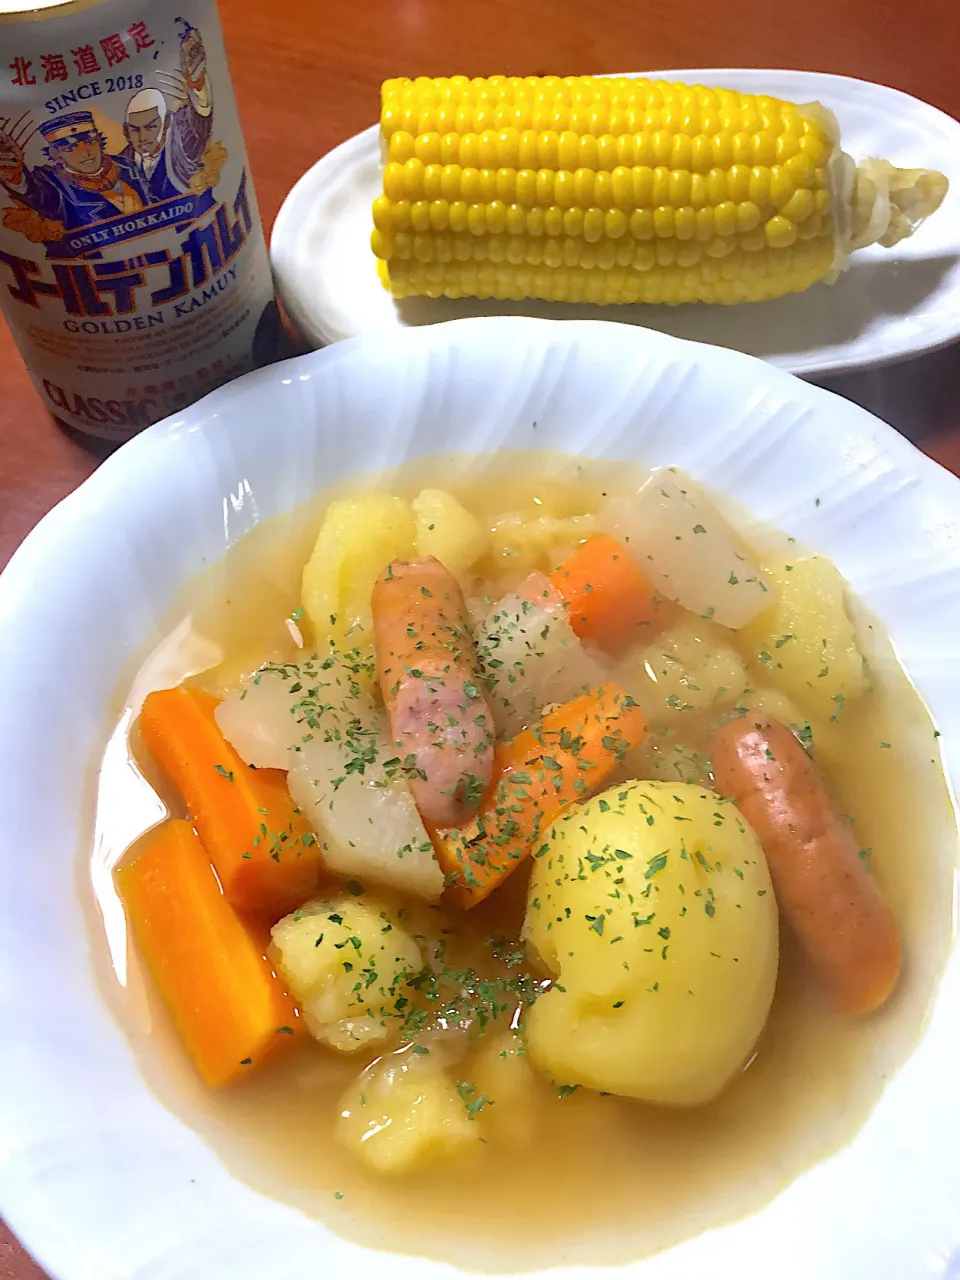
(432, 688)
(823, 888)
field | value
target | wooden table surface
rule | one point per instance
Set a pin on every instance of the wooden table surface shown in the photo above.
(307, 76)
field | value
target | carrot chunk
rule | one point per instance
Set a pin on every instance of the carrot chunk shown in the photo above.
(229, 1007)
(607, 595)
(536, 776)
(263, 850)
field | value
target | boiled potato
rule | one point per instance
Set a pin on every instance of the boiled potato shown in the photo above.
(805, 639)
(688, 550)
(759, 705)
(358, 538)
(502, 1073)
(447, 530)
(653, 909)
(521, 546)
(690, 667)
(346, 961)
(404, 1110)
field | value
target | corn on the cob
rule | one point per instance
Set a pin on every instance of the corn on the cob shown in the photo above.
(621, 190)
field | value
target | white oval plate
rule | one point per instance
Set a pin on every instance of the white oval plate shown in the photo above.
(889, 305)
(97, 1177)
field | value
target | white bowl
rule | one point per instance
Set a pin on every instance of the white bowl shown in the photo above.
(98, 1178)
(890, 303)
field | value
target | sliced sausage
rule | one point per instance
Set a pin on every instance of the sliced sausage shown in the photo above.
(823, 888)
(433, 692)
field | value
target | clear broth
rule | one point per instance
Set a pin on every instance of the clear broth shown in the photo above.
(595, 1179)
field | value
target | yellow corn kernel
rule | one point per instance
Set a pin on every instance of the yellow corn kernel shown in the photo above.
(780, 232)
(725, 218)
(684, 223)
(393, 185)
(383, 213)
(752, 240)
(528, 151)
(614, 224)
(622, 187)
(508, 148)
(553, 221)
(515, 251)
(381, 245)
(573, 222)
(450, 181)
(458, 215)
(626, 151)
(748, 216)
(507, 185)
(450, 148)
(699, 190)
(722, 150)
(717, 185)
(401, 146)
(426, 147)
(549, 155)
(516, 220)
(663, 222)
(782, 185)
(801, 169)
(588, 156)
(643, 183)
(738, 183)
(701, 154)
(432, 181)
(644, 257)
(583, 187)
(641, 224)
(476, 219)
(420, 215)
(799, 206)
(603, 190)
(679, 188)
(593, 225)
(810, 227)
(661, 185)
(470, 185)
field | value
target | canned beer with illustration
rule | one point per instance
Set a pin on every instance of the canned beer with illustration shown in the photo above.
(133, 270)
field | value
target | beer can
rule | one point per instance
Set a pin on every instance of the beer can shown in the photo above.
(133, 269)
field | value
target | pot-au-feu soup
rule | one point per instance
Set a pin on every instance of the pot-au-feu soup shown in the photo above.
(529, 868)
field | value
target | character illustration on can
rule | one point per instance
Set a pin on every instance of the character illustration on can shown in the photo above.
(81, 186)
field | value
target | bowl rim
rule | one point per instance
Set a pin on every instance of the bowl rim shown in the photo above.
(26, 569)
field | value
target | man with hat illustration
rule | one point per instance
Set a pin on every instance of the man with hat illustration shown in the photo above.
(81, 184)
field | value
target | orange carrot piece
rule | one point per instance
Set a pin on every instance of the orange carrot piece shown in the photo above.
(264, 852)
(607, 595)
(229, 1007)
(537, 775)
